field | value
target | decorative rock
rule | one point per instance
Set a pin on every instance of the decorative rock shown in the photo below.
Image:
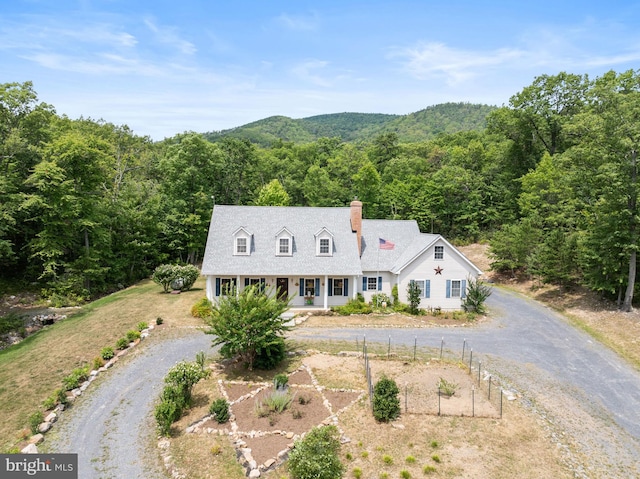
(51, 417)
(30, 449)
(44, 427)
(254, 473)
(398, 426)
(268, 463)
(189, 430)
(289, 435)
(36, 439)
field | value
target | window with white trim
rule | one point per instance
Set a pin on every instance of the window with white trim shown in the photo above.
(420, 284)
(241, 245)
(324, 246)
(456, 288)
(284, 246)
(372, 283)
(439, 252)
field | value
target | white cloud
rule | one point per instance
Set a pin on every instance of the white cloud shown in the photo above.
(306, 71)
(169, 36)
(428, 60)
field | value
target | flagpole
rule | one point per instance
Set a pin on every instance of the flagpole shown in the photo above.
(378, 276)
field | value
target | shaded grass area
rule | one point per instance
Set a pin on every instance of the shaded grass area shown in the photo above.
(33, 369)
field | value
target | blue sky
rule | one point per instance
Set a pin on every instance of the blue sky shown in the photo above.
(163, 67)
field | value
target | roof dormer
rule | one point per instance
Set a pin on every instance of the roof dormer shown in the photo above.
(284, 243)
(242, 242)
(324, 242)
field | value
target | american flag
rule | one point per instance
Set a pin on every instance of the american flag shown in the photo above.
(384, 244)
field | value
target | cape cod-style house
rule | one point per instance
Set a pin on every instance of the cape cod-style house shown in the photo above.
(321, 257)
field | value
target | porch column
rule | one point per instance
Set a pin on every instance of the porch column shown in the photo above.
(210, 287)
(326, 291)
(354, 288)
(237, 286)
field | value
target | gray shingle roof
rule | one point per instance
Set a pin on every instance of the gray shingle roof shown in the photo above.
(400, 232)
(264, 223)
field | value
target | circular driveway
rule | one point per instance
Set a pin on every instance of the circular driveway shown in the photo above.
(579, 387)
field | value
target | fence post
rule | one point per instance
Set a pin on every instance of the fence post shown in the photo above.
(479, 368)
(389, 347)
(501, 394)
(415, 346)
(464, 344)
(438, 400)
(470, 360)
(489, 387)
(357, 344)
(473, 401)
(441, 346)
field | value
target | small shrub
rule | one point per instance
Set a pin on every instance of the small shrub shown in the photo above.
(357, 472)
(280, 381)
(98, 362)
(434, 444)
(122, 343)
(364, 454)
(386, 404)
(220, 410)
(378, 299)
(447, 388)
(132, 335)
(348, 456)
(316, 455)
(436, 458)
(353, 307)
(166, 413)
(384, 475)
(34, 421)
(76, 377)
(216, 449)
(268, 357)
(394, 294)
(106, 353)
(159, 320)
(404, 474)
(304, 399)
(276, 402)
(142, 326)
(49, 403)
(428, 469)
(387, 459)
(201, 309)
(296, 413)
(410, 460)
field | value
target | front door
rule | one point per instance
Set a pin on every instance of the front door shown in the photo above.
(282, 288)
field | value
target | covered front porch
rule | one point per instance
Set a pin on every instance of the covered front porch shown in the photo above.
(307, 293)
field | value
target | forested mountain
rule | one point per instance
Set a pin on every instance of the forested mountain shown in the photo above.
(552, 181)
(352, 127)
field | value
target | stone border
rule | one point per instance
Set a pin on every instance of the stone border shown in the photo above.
(72, 395)
(243, 453)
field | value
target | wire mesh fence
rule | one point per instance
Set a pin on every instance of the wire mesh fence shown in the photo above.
(437, 379)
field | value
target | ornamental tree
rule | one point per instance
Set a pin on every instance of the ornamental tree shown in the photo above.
(249, 322)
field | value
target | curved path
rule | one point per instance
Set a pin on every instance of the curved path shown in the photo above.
(574, 382)
(111, 426)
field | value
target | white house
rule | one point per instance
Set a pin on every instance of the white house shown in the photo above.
(321, 257)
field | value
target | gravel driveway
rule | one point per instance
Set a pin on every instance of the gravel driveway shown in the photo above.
(586, 397)
(111, 427)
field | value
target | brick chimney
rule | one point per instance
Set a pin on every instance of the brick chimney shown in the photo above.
(356, 222)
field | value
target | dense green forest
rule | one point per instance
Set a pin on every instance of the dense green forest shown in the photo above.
(363, 127)
(87, 207)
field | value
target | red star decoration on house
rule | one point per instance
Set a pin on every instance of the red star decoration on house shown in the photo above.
(438, 270)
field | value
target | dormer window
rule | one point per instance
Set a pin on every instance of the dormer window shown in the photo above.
(324, 243)
(241, 242)
(284, 243)
(283, 246)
